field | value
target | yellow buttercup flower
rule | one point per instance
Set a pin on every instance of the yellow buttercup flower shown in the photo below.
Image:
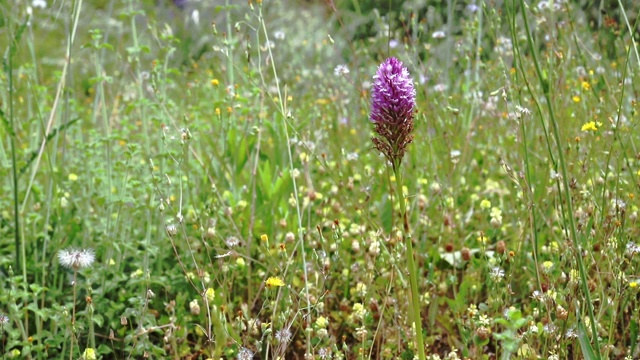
(274, 281)
(591, 126)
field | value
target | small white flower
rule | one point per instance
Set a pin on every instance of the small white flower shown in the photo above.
(41, 4)
(341, 70)
(440, 88)
(537, 295)
(523, 110)
(232, 241)
(172, 230)
(269, 44)
(549, 328)
(439, 35)
(632, 248)
(484, 320)
(195, 16)
(4, 319)
(619, 204)
(324, 353)
(194, 307)
(496, 273)
(279, 35)
(76, 258)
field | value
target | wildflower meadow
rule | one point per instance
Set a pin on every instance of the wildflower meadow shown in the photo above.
(319, 179)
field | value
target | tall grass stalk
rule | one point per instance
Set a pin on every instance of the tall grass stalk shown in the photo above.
(565, 188)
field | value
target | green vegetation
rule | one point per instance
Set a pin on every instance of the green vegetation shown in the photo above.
(200, 182)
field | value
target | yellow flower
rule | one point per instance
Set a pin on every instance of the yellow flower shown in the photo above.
(274, 281)
(485, 204)
(586, 86)
(214, 82)
(210, 294)
(590, 126)
(264, 237)
(89, 354)
(576, 98)
(73, 177)
(359, 311)
(482, 239)
(322, 322)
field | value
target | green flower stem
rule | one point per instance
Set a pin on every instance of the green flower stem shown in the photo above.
(414, 314)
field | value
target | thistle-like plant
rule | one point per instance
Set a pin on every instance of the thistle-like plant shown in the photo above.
(393, 100)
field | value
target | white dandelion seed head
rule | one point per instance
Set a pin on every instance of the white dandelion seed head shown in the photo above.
(76, 258)
(4, 319)
(245, 354)
(283, 336)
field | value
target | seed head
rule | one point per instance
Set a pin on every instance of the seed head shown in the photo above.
(283, 336)
(393, 99)
(76, 258)
(245, 354)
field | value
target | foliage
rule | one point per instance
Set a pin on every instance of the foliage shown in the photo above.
(216, 159)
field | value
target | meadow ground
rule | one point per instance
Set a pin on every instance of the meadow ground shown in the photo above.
(197, 180)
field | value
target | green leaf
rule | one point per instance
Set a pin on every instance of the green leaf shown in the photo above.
(386, 214)
(585, 343)
(266, 179)
(633, 329)
(98, 319)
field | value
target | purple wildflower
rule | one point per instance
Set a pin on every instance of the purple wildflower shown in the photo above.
(392, 101)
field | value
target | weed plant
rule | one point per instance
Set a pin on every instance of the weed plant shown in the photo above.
(196, 180)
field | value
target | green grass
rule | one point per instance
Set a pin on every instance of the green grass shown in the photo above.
(208, 162)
